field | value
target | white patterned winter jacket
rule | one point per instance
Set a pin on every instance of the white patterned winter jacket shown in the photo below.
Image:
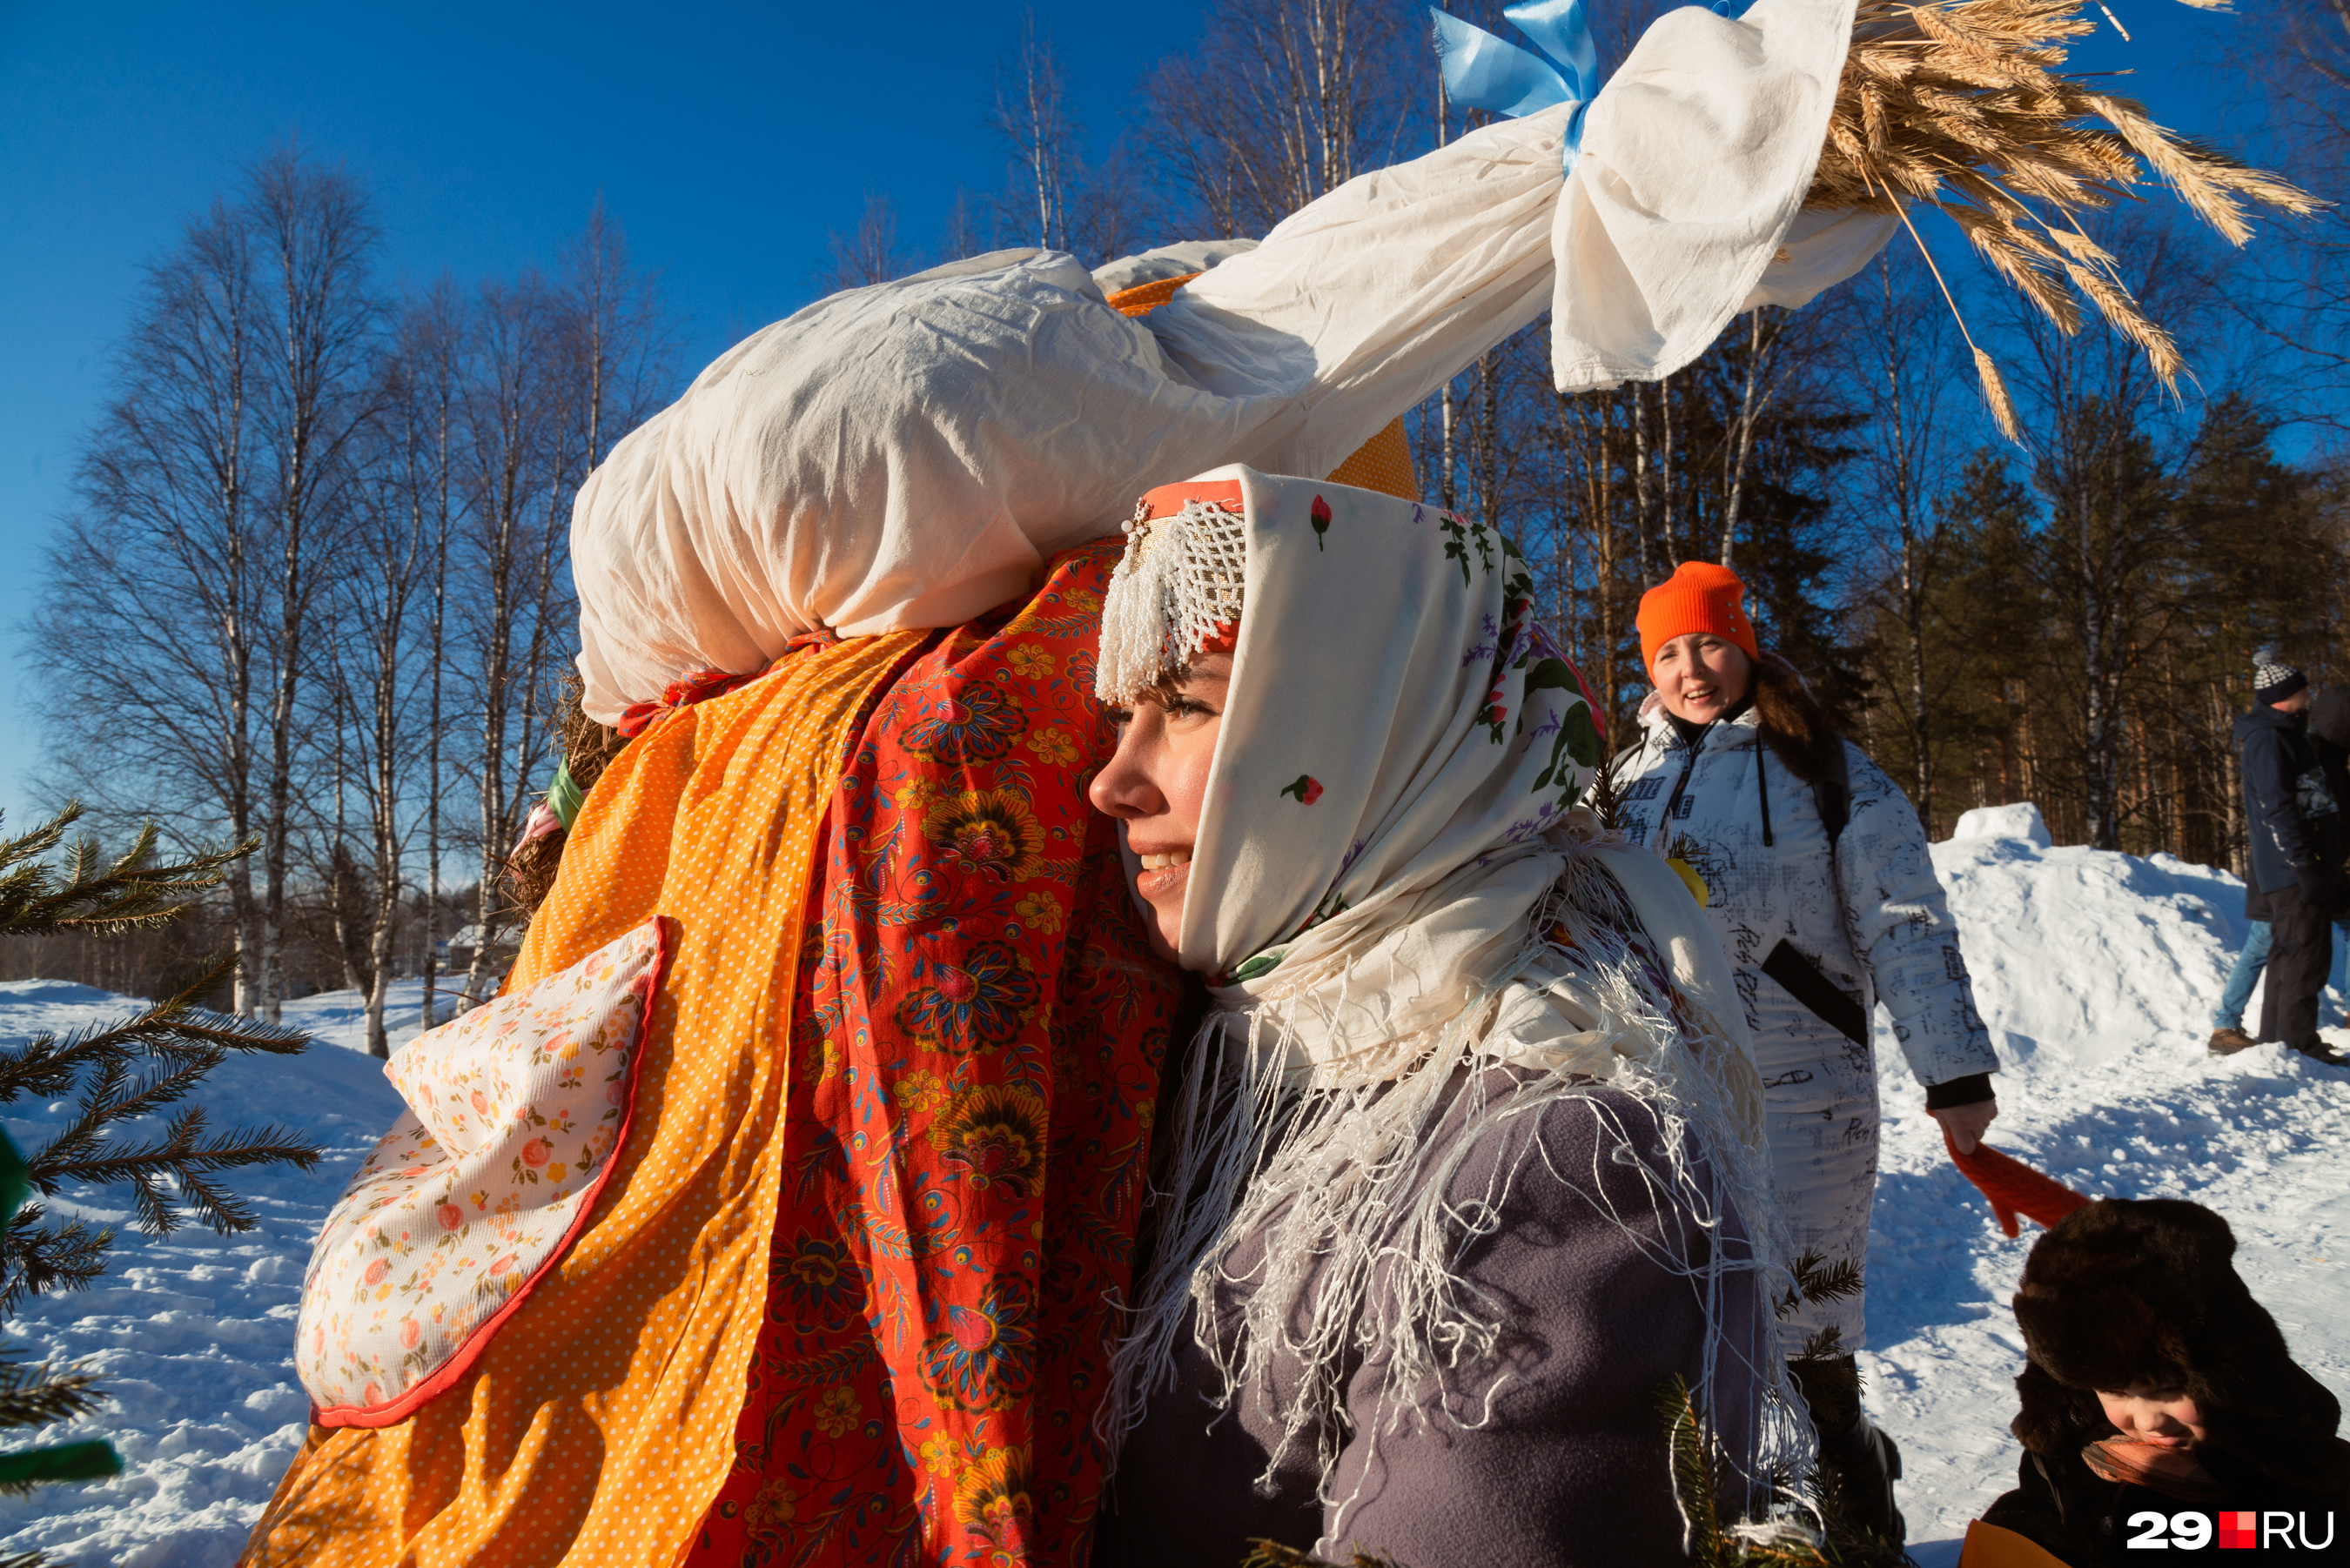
(1890, 938)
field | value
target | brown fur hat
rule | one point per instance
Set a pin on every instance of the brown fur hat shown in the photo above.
(2122, 1292)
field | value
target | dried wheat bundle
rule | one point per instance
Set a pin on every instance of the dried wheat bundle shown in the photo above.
(1960, 105)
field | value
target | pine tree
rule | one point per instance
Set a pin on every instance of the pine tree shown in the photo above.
(117, 1073)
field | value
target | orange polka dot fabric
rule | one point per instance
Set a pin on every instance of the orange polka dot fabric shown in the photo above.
(1382, 463)
(600, 1421)
(1144, 297)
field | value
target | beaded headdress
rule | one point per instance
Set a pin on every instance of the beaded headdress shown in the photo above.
(1177, 589)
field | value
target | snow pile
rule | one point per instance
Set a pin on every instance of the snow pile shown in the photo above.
(2096, 972)
(2081, 952)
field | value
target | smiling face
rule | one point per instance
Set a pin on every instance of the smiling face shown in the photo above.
(1701, 676)
(1157, 782)
(2166, 1418)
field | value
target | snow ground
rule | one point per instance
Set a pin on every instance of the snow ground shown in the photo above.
(2097, 972)
(193, 1333)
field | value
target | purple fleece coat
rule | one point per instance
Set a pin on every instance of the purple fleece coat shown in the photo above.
(1571, 1469)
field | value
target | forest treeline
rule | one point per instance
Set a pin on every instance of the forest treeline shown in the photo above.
(313, 591)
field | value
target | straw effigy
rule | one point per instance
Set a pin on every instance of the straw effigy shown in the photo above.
(1961, 107)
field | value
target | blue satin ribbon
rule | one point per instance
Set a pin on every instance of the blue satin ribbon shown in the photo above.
(1482, 71)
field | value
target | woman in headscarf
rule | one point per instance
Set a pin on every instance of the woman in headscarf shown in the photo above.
(1813, 868)
(1460, 1186)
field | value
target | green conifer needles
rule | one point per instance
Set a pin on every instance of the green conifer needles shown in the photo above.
(115, 1075)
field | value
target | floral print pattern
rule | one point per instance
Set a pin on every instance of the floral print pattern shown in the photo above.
(513, 1111)
(976, 1044)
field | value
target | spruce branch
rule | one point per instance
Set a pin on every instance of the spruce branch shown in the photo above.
(1817, 1280)
(142, 1066)
(35, 1397)
(183, 1157)
(42, 1258)
(90, 893)
(1273, 1554)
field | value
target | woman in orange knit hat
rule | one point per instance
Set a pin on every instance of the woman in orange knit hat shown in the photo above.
(1813, 866)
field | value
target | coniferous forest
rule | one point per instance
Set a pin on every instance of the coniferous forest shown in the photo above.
(313, 592)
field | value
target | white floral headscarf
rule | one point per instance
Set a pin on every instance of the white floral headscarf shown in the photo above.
(1400, 749)
(1392, 880)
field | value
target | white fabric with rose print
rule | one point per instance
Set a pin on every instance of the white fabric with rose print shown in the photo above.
(515, 1112)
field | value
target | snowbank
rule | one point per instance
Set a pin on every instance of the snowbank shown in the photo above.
(2082, 952)
(2097, 972)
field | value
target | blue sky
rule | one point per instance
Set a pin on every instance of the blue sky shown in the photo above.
(729, 140)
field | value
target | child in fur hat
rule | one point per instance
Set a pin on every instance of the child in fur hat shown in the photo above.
(2154, 1381)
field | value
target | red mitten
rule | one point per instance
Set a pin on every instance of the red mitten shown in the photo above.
(2013, 1187)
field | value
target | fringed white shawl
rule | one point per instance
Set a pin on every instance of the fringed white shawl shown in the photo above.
(1393, 882)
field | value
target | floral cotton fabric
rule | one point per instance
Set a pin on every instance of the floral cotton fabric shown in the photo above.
(973, 1064)
(514, 1112)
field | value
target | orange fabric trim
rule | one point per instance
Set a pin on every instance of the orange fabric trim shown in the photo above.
(1144, 297)
(594, 1430)
(1989, 1546)
(1382, 463)
(682, 692)
(1169, 499)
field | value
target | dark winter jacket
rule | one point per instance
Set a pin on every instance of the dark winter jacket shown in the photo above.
(2290, 815)
(2329, 731)
(2127, 1293)
(1568, 1466)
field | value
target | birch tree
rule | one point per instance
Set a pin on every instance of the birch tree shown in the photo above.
(148, 621)
(1282, 102)
(316, 322)
(1897, 346)
(429, 384)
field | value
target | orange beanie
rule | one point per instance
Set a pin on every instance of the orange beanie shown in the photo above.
(1698, 596)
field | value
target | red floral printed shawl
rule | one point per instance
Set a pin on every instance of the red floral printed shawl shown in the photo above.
(975, 1047)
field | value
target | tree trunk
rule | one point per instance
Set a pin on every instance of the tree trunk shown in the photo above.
(1643, 524)
(1743, 446)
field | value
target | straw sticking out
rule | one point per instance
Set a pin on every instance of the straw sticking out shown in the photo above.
(2002, 407)
(1959, 106)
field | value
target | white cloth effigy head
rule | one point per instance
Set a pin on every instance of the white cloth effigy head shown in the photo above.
(906, 455)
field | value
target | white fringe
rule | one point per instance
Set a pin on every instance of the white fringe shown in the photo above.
(1343, 1183)
(1179, 580)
